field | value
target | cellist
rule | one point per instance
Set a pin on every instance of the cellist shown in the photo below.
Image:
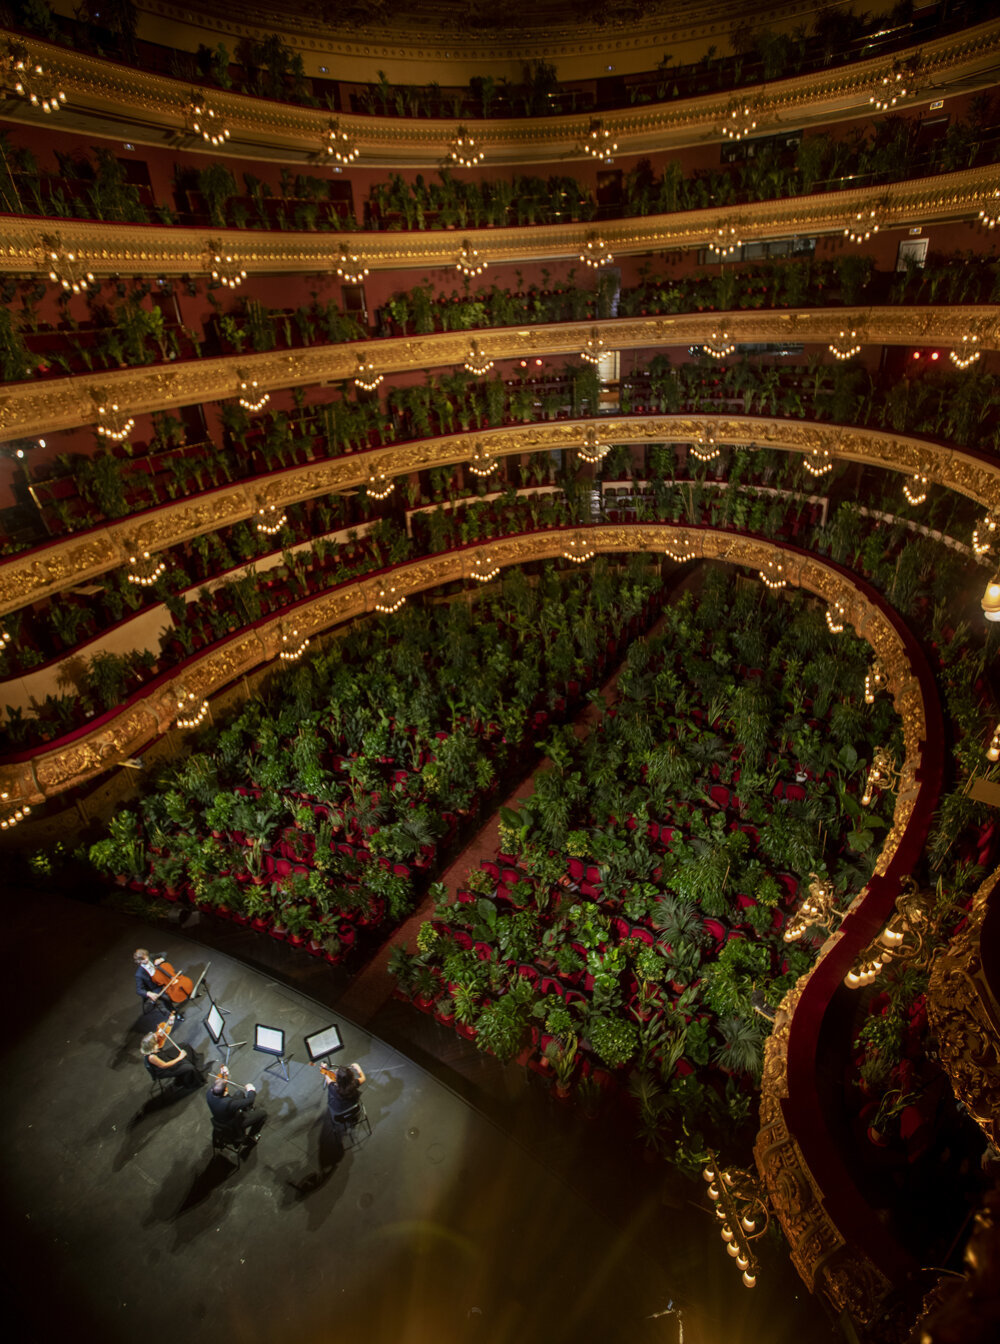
(150, 984)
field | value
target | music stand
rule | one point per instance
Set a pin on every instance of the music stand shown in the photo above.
(216, 1027)
(198, 984)
(271, 1041)
(322, 1044)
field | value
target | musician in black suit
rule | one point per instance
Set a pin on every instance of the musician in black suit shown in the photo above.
(231, 1118)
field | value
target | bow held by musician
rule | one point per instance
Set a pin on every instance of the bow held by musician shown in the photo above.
(231, 1118)
(158, 985)
(165, 1059)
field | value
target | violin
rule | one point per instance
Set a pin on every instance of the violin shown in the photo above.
(223, 1077)
(329, 1074)
(163, 1035)
(176, 985)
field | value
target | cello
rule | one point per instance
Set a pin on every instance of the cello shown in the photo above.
(176, 985)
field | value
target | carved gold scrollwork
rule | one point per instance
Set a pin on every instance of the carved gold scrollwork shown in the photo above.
(958, 1006)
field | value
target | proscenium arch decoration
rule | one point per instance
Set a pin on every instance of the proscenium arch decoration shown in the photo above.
(30, 408)
(33, 575)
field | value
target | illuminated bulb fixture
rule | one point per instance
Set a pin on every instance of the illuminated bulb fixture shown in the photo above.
(818, 461)
(225, 268)
(862, 226)
(845, 345)
(875, 680)
(599, 143)
(593, 450)
(365, 376)
(463, 150)
(835, 617)
(292, 647)
(719, 345)
(477, 361)
(680, 550)
(993, 750)
(339, 146)
(881, 773)
(113, 423)
(65, 268)
(469, 262)
(726, 241)
(595, 251)
(482, 462)
(351, 267)
(915, 489)
(989, 216)
(386, 600)
(889, 90)
(984, 533)
(577, 550)
(145, 571)
(379, 485)
(706, 449)
(30, 82)
(269, 520)
(817, 909)
(201, 120)
(904, 938)
(773, 574)
(484, 568)
(250, 398)
(966, 354)
(8, 820)
(189, 712)
(593, 350)
(5, 638)
(742, 1211)
(991, 599)
(740, 122)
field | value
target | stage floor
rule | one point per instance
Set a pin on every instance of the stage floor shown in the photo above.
(121, 1224)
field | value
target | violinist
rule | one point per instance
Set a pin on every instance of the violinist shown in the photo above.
(166, 1059)
(156, 988)
(231, 1118)
(343, 1088)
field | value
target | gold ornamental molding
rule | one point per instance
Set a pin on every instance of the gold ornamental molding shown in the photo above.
(149, 105)
(160, 250)
(48, 773)
(29, 408)
(965, 1018)
(43, 571)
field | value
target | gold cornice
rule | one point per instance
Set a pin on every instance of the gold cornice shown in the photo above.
(66, 766)
(963, 60)
(39, 573)
(31, 408)
(968, 1037)
(161, 249)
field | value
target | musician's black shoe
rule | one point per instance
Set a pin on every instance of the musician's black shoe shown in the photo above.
(178, 1017)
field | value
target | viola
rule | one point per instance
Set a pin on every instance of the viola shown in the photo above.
(176, 986)
(329, 1074)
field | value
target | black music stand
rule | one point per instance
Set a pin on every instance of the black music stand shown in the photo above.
(216, 1027)
(271, 1041)
(322, 1044)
